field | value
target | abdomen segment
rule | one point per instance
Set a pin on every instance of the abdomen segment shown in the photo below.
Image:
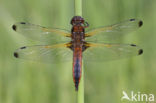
(77, 66)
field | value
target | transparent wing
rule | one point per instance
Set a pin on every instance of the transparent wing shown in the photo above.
(45, 53)
(36, 32)
(105, 52)
(113, 32)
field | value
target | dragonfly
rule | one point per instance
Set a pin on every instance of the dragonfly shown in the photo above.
(95, 45)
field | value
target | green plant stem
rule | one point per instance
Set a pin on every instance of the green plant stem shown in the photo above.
(78, 7)
(80, 95)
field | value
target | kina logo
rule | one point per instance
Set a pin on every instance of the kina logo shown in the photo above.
(140, 97)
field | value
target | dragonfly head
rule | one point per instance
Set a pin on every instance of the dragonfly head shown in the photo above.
(77, 20)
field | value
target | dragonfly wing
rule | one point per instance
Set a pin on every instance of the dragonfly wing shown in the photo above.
(40, 33)
(113, 32)
(45, 53)
(105, 52)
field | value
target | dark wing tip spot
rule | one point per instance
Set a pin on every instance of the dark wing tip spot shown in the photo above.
(16, 54)
(132, 19)
(140, 51)
(23, 47)
(14, 27)
(140, 23)
(22, 23)
(133, 45)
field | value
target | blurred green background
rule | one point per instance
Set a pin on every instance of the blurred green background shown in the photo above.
(31, 82)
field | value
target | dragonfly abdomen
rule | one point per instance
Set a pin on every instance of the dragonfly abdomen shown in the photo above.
(77, 66)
